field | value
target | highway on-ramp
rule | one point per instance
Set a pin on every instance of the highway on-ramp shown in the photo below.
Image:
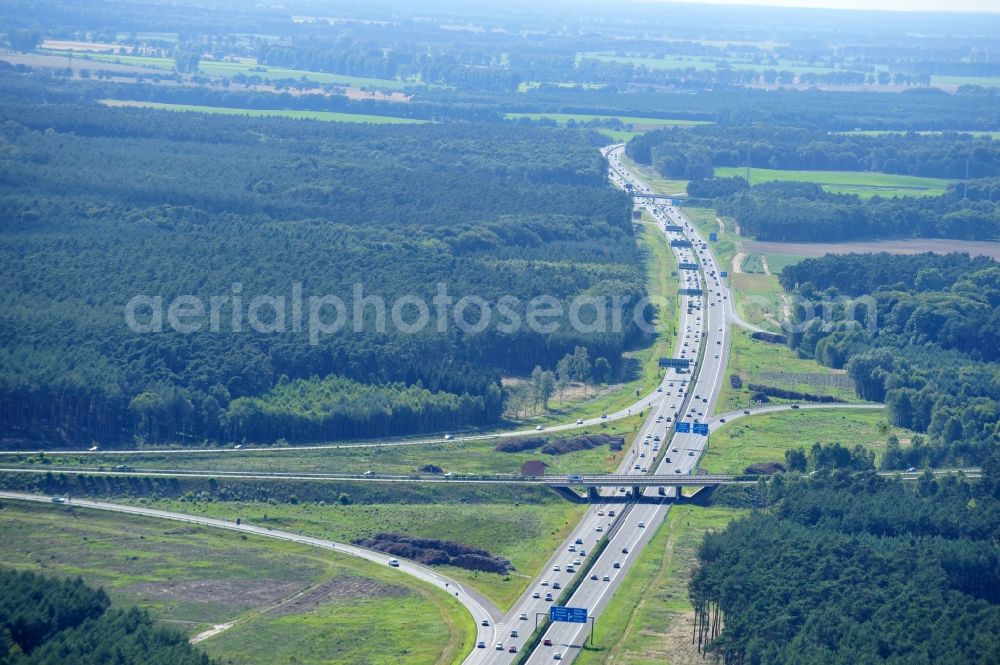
(475, 603)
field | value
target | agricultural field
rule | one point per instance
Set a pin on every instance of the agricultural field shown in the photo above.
(777, 261)
(701, 62)
(765, 438)
(803, 250)
(328, 116)
(776, 365)
(862, 183)
(248, 67)
(649, 619)
(524, 533)
(289, 603)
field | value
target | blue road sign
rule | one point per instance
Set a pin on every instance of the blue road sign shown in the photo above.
(701, 428)
(723, 273)
(683, 426)
(568, 614)
(712, 235)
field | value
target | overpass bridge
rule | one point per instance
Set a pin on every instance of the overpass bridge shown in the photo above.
(633, 485)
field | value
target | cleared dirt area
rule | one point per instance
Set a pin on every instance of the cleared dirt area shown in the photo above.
(230, 593)
(347, 586)
(915, 246)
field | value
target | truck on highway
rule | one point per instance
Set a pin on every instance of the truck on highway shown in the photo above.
(58, 499)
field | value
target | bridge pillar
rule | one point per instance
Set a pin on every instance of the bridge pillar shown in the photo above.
(636, 492)
(592, 494)
(679, 494)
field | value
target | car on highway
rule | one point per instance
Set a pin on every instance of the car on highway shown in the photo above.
(606, 578)
(556, 568)
(599, 528)
(611, 513)
(642, 525)
(548, 597)
(536, 594)
(579, 421)
(480, 644)
(539, 428)
(547, 642)
(545, 582)
(624, 550)
(524, 616)
(556, 585)
(499, 646)
(394, 563)
(557, 656)
(513, 632)
(512, 649)
(485, 622)
(579, 541)
(594, 577)
(616, 564)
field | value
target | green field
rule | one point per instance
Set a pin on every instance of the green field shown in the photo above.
(657, 183)
(649, 619)
(777, 262)
(526, 534)
(291, 603)
(985, 81)
(248, 67)
(776, 365)
(766, 437)
(862, 183)
(329, 116)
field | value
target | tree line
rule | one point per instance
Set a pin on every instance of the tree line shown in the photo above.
(692, 153)
(932, 355)
(47, 621)
(805, 212)
(850, 569)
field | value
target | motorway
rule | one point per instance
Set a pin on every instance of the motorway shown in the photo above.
(657, 450)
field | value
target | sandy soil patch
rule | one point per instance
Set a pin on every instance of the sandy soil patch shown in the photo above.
(346, 586)
(235, 593)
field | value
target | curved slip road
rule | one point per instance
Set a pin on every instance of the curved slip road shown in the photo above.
(477, 605)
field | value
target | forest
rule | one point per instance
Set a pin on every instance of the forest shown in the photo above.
(208, 206)
(932, 354)
(49, 621)
(804, 212)
(856, 569)
(692, 153)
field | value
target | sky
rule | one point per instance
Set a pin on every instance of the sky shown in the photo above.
(893, 5)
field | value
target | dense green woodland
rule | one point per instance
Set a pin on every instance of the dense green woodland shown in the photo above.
(804, 212)
(692, 153)
(844, 569)
(933, 355)
(101, 205)
(45, 621)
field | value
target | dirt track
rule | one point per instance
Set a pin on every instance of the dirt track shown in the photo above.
(916, 246)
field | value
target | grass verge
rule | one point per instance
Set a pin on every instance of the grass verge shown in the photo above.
(766, 437)
(526, 534)
(649, 618)
(290, 602)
